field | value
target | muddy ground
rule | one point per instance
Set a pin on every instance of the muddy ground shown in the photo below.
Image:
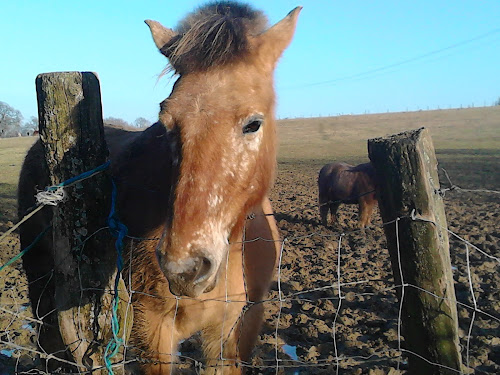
(366, 328)
(311, 330)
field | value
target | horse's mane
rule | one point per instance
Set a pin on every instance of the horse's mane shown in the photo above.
(214, 34)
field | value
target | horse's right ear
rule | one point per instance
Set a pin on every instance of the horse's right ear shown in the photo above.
(271, 43)
(161, 34)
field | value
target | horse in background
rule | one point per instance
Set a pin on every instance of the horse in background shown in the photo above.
(343, 183)
(189, 182)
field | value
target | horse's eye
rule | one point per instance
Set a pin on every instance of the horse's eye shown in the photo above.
(252, 126)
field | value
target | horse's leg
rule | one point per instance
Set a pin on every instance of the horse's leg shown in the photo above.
(334, 207)
(260, 259)
(364, 212)
(323, 210)
(370, 204)
(154, 337)
(220, 342)
(237, 333)
(222, 312)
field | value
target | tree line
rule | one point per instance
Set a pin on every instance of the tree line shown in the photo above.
(12, 122)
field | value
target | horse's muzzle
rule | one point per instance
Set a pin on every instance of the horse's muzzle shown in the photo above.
(189, 277)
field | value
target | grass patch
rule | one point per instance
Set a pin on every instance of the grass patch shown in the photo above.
(12, 153)
(8, 205)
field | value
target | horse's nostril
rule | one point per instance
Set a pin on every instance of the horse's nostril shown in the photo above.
(204, 267)
(199, 272)
(189, 276)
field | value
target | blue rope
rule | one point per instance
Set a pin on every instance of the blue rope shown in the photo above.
(26, 249)
(70, 181)
(82, 176)
(119, 231)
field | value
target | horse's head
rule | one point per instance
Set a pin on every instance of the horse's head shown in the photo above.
(222, 109)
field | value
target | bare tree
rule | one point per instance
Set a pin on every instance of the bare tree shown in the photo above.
(30, 126)
(141, 122)
(10, 120)
(116, 121)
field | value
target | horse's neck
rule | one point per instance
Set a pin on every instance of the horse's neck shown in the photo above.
(144, 168)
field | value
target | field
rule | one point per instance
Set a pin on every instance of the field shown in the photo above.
(309, 328)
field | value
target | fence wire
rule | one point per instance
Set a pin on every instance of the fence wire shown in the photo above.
(332, 309)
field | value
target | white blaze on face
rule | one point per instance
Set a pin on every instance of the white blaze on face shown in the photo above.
(237, 160)
(211, 237)
(210, 241)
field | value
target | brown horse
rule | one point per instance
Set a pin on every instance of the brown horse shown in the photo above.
(190, 180)
(343, 183)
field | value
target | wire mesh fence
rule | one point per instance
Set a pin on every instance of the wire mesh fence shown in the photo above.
(333, 306)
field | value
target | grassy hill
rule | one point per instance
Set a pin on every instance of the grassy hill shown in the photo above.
(467, 141)
(344, 137)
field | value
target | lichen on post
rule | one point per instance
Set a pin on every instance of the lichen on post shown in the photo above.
(409, 198)
(72, 135)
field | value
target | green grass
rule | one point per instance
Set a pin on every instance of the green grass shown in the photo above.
(12, 152)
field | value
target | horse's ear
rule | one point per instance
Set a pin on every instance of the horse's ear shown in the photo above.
(161, 34)
(271, 43)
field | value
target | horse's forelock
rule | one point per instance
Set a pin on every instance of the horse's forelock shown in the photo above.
(214, 34)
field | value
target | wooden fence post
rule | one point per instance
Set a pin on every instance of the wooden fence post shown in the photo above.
(72, 134)
(408, 183)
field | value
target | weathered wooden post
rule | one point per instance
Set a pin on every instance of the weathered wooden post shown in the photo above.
(408, 183)
(72, 134)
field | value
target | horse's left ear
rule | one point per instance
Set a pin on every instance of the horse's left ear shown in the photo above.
(271, 43)
(161, 34)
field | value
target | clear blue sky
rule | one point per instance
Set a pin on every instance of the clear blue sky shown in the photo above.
(347, 56)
